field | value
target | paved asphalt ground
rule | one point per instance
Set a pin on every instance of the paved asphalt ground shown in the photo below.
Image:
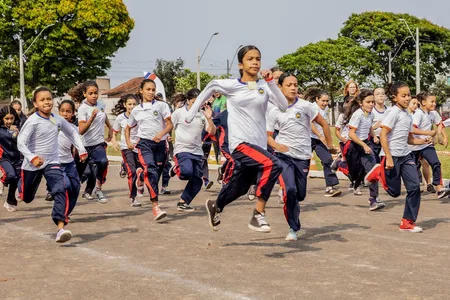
(119, 252)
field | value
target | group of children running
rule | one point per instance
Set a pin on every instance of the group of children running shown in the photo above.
(263, 144)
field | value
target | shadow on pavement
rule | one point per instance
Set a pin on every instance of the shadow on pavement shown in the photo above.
(90, 237)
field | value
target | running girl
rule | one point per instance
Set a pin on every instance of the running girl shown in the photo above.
(398, 163)
(247, 99)
(10, 160)
(38, 143)
(361, 159)
(153, 120)
(130, 158)
(188, 152)
(68, 166)
(321, 98)
(423, 129)
(91, 121)
(378, 116)
(293, 147)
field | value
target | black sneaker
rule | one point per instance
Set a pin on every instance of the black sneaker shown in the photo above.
(376, 204)
(184, 207)
(258, 222)
(172, 172)
(335, 164)
(122, 172)
(49, 197)
(443, 193)
(164, 191)
(431, 189)
(213, 214)
(219, 175)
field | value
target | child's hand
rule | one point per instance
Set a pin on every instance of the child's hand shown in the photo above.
(94, 114)
(389, 163)
(266, 74)
(83, 157)
(332, 149)
(130, 146)
(367, 149)
(376, 140)
(282, 148)
(37, 161)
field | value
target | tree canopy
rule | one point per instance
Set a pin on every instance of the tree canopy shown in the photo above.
(188, 80)
(79, 46)
(167, 71)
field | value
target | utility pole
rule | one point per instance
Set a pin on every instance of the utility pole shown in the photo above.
(228, 68)
(23, 99)
(417, 62)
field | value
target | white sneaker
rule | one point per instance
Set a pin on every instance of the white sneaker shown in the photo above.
(258, 222)
(1, 188)
(158, 214)
(100, 196)
(135, 203)
(252, 193)
(280, 196)
(357, 191)
(292, 235)
(63, 236)
(9, 207)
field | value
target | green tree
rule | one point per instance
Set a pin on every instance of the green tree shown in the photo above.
(188, 80)
(328, 64)
(383, 32)
(167, 71)
(441, 90)
(79, 46)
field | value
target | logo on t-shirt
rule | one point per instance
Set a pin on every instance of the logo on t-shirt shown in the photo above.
(297, 115)
(261, 91)
(155, 113)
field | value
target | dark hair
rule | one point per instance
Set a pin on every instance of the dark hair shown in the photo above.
(284, 76)
(275, 69)
(422, 96)
(178, 97)
(14, 102)
(77, 92)
(120, 106)
(312, 94)
(242, 52)
(392, 89)
(192, 93)
(33, 99)
(141, 86)
(356, 104)
(72, 105)
(9, 110)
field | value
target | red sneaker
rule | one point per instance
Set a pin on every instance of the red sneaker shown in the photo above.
(373, 175)
(409, 225)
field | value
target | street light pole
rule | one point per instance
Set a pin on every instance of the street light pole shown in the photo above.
(416, 39)
(199, 58)
(390, 67)
(23, 99)
(234, 56)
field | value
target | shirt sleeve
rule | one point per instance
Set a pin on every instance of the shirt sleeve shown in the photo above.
(73, 136)
(176, 117)
(313, 112)
(355, 120)
(446, 123)
(437, 119)
(165, 111)
(271, 120)
(276, 96)
(339, 121)
(390, 120)
(116, 126)
(417, 119)
(215, 86)
(131, 119)
(23, 139)
(82, 114)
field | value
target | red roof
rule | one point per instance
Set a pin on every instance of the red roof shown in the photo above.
(129, 87)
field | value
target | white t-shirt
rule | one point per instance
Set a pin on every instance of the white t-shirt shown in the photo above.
(119, 126)
(324, 114)
(341, 126)
(150, 118)
(247, 107)
(39, 137)
(95, 134)
(295, 127)
(362, 122)
(399, 122)
(435, 117)
(422, 121)
(188, 136)
(65, 146)
(378, 116)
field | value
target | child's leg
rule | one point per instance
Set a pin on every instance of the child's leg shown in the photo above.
(411, 179)
(368, 161)
(190, 168)
(426, 171)
(71, 184)
(54, 176)
(11, 178)
(206, 150)
(288, 184)
(147, 160)
(98, 156)
(165, 174)
(430, 155)
(390, 178)
(326, 160)
(28, 184)
(130, 166)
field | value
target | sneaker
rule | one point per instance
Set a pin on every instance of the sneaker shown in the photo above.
(122, 172)
(208, 184)
(376, 204)
(431, 189)
(135, 203)
(357, 191)
(139, 184)
(351, 186)
(158, 214)
(258, 222)
(164, 191)
(443, 193)
(335, 164)
(373, 175)
(49, 197)
(280, 196)
(252, 193)
(63, 236)
(409, 225)
(87, 196)
(184, 207)
(100, 196)
(172, 172)
(213, 214)
(292, 235)
(1, 188)
(332, 192)
(219, 175)
(9, 207)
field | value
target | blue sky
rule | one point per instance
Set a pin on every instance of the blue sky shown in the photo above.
(170, 29)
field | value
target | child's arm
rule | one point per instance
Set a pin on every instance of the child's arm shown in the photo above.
(110, 129)
(210, 127)
(337, 131)
(385, 145)
(74, 138)
(22, 144)
(354, 137)
(376, 140)
(271, 142)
